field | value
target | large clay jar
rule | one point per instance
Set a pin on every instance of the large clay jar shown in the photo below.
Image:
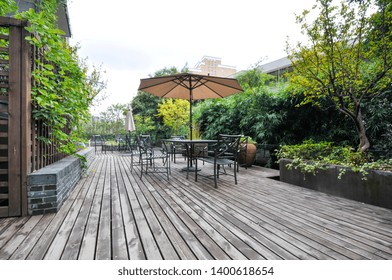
(247, 154)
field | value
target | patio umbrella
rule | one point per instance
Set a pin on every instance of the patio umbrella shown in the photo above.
(129, 123)
(190, 86)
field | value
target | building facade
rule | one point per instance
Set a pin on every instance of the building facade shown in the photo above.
(277, 68)
(213, 66)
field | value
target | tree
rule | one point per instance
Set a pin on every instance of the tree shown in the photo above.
(348, 60)
(175, 113)
(116, 116)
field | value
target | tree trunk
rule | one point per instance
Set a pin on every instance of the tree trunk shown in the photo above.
(364, 143)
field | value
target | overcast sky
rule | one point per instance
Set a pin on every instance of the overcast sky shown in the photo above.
(133, 39)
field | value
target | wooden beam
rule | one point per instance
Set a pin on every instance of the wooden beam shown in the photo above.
(26, 120)
(14, 122)
(8, 21)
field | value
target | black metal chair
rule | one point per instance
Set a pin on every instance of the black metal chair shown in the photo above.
(149, 155)
(100, 141)
(176, 148)
(132, 150)
(224, 153)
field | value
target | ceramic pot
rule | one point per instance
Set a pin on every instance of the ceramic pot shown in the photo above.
(247, 154)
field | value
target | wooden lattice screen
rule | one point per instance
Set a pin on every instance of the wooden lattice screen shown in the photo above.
(44, 151)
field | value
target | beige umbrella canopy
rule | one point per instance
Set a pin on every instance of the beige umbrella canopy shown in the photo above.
(190, 86)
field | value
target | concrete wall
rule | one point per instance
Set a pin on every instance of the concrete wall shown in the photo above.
(49, 187)
(376, 190)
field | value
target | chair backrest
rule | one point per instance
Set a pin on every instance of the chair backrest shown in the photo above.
(228, 145)
(243, 143)
(165, 148)
(131, 142)
(146, 140)
(143, 143)
(177, 137)
(179, 147)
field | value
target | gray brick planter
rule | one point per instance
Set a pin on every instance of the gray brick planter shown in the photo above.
(376, 190)
(50, 186)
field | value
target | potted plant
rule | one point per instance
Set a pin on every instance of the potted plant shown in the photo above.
(247, 153)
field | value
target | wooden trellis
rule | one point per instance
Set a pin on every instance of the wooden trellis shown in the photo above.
(44, 151)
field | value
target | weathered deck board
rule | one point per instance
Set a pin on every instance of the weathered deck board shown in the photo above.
(120, 251)
(88, 242)
(113, 214)
(18, 237)
(71, 249)
(179, 244)
(31, 239)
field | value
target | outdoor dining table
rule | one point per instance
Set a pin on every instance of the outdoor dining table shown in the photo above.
(190, 152)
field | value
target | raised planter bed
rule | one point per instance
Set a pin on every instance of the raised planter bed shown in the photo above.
(376, 190)
(50, 186)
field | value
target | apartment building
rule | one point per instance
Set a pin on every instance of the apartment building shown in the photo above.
(213, 66)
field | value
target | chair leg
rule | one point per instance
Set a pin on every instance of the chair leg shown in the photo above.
(188, 165)
(235, 172)
(168, 171)
(216, 174)
(195, 169)
(141, 169)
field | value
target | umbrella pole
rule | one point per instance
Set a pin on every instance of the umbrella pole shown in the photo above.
(190, 113)
(190, 120)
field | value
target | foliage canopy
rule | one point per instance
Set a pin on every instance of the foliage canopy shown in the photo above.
(175, 114)
(348, 59)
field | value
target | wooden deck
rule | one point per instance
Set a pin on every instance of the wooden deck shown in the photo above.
(112, 214)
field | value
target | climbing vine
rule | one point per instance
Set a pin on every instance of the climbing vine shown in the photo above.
(62, 91)
(7, 6)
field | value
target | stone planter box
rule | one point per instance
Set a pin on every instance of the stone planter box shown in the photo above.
(376, 190)
(50, 186)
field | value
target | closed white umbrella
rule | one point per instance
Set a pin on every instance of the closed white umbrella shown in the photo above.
(129, 123)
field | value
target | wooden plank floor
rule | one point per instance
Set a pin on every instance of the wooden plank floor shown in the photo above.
(112, 214)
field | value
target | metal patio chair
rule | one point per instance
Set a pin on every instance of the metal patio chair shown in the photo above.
(153, 159)
(224, 153)
(177, 148)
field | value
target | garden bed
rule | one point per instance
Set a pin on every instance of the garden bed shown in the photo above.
(50, 186)
(375, 190)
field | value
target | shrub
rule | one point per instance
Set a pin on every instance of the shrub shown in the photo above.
(309, 157)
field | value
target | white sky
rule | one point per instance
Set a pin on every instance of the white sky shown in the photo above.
(134, 38)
